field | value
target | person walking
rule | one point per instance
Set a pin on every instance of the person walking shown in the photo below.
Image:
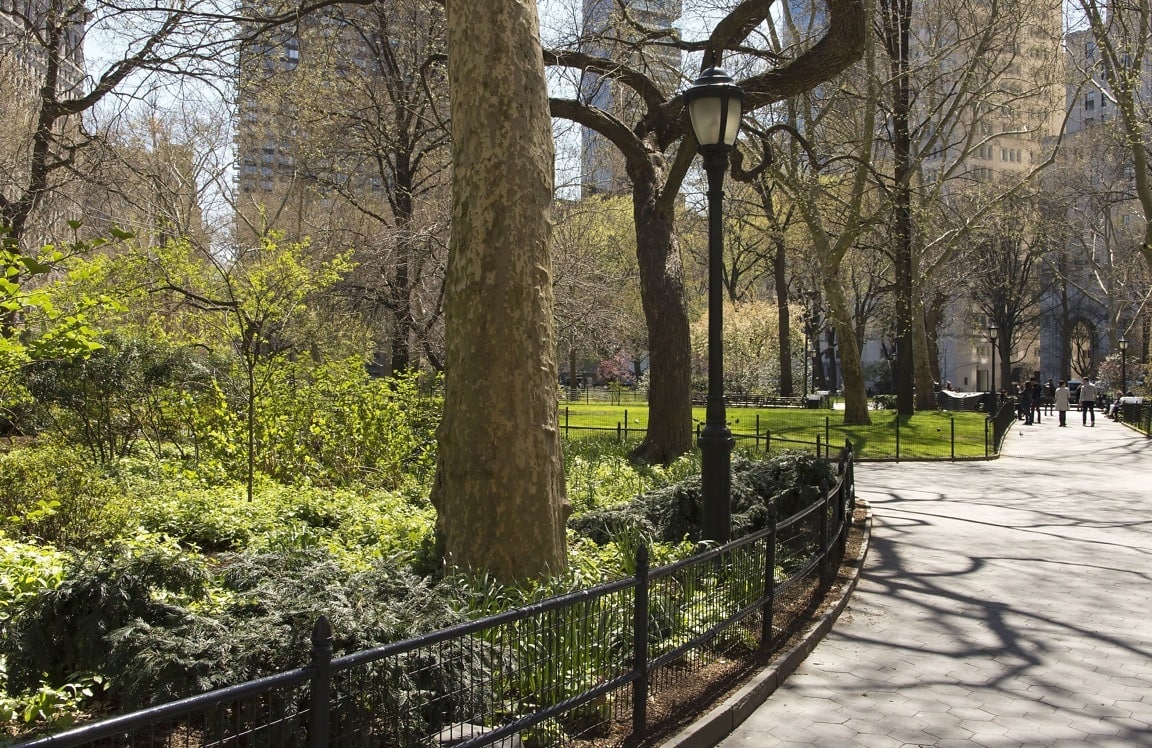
(1037, 397)
(1061, 399)
(1049, 396)
(1088, 395)
(1025, 403)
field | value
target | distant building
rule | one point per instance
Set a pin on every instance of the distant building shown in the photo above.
(1088, 301)
(611, 32)
(25, 64)
(288, 169)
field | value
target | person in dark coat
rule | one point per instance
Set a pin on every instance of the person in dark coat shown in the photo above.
(1026, 403)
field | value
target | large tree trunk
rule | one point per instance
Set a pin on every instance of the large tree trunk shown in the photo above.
(895, 25)
(780, 278)
(925, 384)
(665, 312)
(499, 490)
(855, 393)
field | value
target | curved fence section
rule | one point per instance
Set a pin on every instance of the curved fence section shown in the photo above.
(1135, 414)
(587, 665)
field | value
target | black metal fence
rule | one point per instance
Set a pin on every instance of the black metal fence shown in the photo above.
(578, 667)
(997, 425)
(818, 437)
(1137, 415)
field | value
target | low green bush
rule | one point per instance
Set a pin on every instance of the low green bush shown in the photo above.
(671, 514)
(64, 630)
(59, 497)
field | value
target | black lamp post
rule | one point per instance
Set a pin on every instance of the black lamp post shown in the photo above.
(714, 108)
(993, 334)
(1123, 365)
(807, 358)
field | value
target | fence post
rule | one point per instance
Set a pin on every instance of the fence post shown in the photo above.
(318, 716)
(769, 582)
(827, 436)
(565, 420)
(824, 532)
(897, 436)
(767, 441)
(640, 643)
(952, 424)
(619, 436)
(817, 444)
(625, 424)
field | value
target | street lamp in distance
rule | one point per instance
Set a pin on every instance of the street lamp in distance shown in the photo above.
(1123, 343)
(993, 334)
(714, 106)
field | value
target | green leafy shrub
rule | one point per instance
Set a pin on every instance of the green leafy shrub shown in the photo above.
(58, 496)
(354, 526)
(600, 474)
(130, 388)
(345, 427)
(26, 570)
(672, 514)
(64, 630)
(47, 706)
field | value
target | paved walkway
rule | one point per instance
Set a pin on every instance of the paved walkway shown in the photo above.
(1006, 603)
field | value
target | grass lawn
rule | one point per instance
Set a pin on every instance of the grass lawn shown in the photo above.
(938, 434)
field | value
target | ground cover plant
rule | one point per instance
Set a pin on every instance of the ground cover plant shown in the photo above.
(189, 586)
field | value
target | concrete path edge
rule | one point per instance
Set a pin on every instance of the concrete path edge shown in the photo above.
(725, 718)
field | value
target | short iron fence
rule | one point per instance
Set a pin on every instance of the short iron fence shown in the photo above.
(580, 666)
(997, 425)
(1137, 415)
(817, 437)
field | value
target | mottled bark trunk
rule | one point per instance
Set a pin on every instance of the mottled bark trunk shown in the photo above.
(665, 312)
(499, 490)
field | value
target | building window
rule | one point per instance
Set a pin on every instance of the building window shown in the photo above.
(1089, 101)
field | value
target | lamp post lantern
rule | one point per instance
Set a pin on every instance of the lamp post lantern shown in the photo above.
(993, 334)
(1123, 365)
(714, 103)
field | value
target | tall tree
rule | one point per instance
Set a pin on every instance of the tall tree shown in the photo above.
(499, 489)
(1123, 35)
(657, 155)
(43, 44)
(361, 113)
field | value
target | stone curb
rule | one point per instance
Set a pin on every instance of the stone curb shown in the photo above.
(725, 718)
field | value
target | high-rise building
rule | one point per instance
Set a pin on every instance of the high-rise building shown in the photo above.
(291, 161)
(612, 34)
(1089, 300)
(41, 41)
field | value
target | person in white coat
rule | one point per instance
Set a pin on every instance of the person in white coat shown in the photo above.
(1061, 400)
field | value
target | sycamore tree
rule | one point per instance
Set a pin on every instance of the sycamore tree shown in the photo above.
(657, 150)
(499, 490)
